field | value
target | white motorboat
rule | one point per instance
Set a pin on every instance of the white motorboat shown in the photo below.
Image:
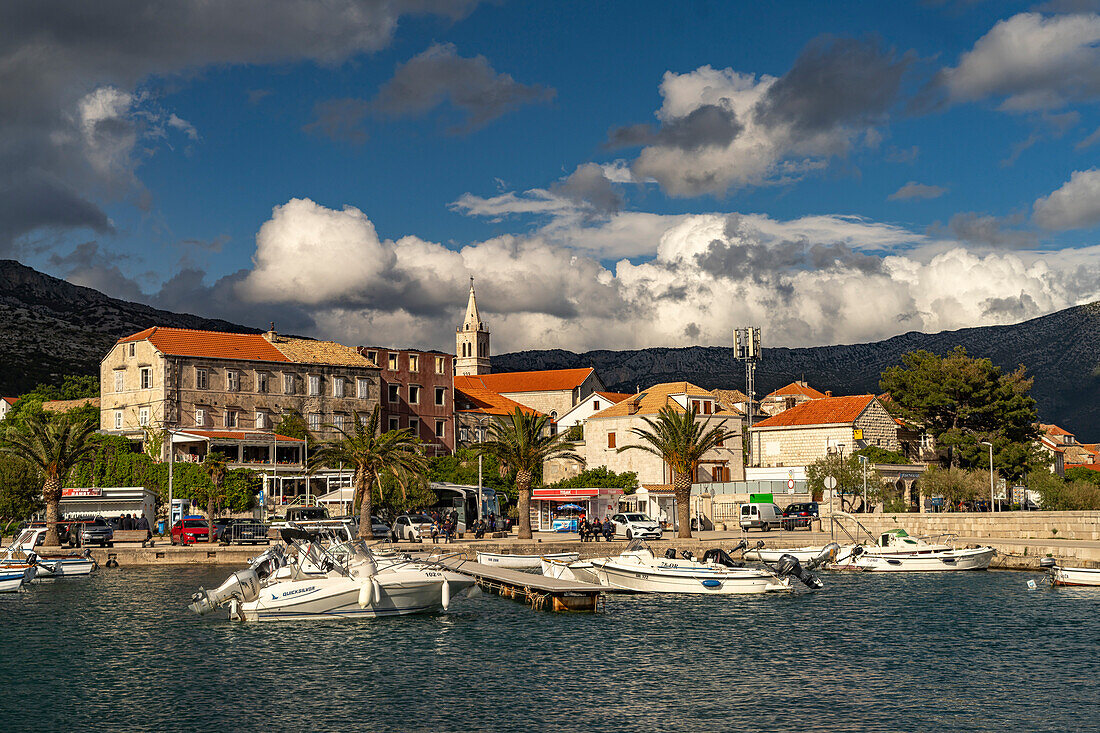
(349, 581)
(802, 554)
(522, 562)
(50, 565)
(897, 551)
(581, 571)
(1060, 575)
(15, 576)
(716, 574)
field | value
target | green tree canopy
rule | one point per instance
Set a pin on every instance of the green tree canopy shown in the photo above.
(599, 477)
(293, 425)
(963, 401)
(1057, 494)
(877, 454)
(955, 484)
(70, 388)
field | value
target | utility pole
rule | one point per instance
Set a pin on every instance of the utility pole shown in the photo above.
(992, 504)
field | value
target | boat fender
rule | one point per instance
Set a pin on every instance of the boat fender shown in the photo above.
(446, 594)
(377, 590)
(712, 583)
(366, 593)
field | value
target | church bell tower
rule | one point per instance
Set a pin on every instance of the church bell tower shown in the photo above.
(471, 342)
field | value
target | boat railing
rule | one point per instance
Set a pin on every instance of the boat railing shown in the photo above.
(835, 521)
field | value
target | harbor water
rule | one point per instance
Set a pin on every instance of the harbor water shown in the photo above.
(913, 652)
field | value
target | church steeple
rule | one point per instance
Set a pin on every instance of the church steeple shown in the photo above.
(472, 341)
(473, 318)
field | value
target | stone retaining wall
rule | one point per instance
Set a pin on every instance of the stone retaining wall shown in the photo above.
(1007, 525)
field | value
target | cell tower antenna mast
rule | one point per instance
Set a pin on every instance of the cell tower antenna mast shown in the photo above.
(746, 348)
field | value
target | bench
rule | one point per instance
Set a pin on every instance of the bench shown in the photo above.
(143, 536)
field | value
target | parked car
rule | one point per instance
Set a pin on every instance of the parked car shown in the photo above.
(189, 531)
(219, 527)
(379, 529)
(412, 527)
(635, 525)
(96, 532)
(64, 536)
(800, 515)
(306, 514)
(241, 531)
(759, 515)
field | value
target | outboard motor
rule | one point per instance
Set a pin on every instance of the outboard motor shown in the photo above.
(788, 565)
(670, 553)
(740, 547)
(242, 586)
(720, 556)
(1047, 563)
(827, 554)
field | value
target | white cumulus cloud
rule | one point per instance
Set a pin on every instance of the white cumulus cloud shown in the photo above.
(1076, 205)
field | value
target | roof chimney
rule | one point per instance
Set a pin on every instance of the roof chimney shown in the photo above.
(828, 393)
(270, 335)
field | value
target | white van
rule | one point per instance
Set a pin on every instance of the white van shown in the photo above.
(764, 516)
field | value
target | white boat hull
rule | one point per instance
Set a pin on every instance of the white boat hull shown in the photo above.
(522, 562)
(402, 593)
(579, 570)
(947, 560)
(11, 582)
(65, 567)
(671, 580)
(1076, 576)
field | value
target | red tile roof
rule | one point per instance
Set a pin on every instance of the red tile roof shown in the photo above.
(550, 380)
(1089, 466)
(824, 411)
(615, 397)
(1054, 430)
(241, 435)
(794, 388)
(209, 344)
(487, 401)
(10, 400)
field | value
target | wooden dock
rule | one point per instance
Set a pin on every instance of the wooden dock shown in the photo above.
(537, 591)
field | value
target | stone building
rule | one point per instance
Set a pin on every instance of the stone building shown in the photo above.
(791, 395)
(611, 428)
(417, 393)
(231, 389)
(801, 435)
(552, 392)
(476, 407)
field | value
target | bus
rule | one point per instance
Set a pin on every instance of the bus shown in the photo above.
(463, 500)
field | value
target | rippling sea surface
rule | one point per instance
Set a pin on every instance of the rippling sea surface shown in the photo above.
(928, 652)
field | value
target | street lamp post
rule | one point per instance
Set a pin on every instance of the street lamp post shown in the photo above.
(171, 461)
(992, 504)
(863, 462)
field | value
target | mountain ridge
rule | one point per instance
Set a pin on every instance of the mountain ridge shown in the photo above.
(50, 328)
(1061, 351)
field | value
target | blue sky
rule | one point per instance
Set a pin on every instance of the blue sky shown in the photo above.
(833, 172)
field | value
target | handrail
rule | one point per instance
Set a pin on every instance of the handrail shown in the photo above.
(835, 522)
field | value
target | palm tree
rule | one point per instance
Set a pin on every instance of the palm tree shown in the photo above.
(395, 453)
(521, 443)
(52, 447)
(681, 442)
(214, 465)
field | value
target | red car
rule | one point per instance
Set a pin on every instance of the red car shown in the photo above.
(190, 531)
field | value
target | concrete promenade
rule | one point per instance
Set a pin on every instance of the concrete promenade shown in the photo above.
(1012, 553)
